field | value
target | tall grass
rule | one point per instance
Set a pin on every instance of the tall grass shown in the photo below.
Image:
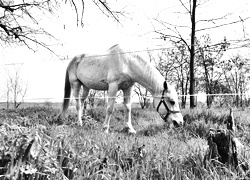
(33, 146)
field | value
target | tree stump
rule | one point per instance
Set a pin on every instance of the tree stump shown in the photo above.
(222, 145)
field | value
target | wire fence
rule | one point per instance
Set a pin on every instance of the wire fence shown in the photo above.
(121, 96)
(103, 55)
(103, 97)
(98, 55)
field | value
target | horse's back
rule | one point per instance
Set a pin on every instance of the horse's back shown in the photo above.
(97, 71)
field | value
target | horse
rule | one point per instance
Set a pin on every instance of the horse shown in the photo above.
(114, 71)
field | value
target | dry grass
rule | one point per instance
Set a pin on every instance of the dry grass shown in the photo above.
(33, 146)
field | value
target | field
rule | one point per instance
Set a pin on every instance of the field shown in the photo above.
(35, 146)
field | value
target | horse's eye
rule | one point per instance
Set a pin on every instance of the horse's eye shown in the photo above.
(172, 102)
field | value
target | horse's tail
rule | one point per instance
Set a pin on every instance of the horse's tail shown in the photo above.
(67, 92)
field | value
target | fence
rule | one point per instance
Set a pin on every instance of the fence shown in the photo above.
(200, 98)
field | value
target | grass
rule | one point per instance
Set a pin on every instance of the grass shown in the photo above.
(33, 146)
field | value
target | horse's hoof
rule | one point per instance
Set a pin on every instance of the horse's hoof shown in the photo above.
(106, 130)
(132, 131)
(59, 122)
(80, 124)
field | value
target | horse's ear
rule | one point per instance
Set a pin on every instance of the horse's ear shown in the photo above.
(165, 85)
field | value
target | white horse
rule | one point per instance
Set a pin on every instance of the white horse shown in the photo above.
(114, 71)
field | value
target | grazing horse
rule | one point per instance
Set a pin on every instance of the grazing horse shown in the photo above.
(114, 71)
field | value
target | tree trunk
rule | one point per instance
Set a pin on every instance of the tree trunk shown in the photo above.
(8, 96)
(192, 54)
(183, 103)
(209, 96)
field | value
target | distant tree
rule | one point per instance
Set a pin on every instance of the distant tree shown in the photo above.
(236, 72)
(16, 88)
(97, 98)
(182, 70)
(209, 60)
(7, 93)
(91, 98)
(174, 65)
(221, 88)
(143, 95)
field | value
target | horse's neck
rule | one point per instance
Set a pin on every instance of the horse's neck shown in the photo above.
(147, 75)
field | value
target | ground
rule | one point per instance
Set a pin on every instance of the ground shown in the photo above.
(34, 145)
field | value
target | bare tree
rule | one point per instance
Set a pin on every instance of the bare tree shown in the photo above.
(237, 75)
(180, 57)
(174, 64)
(7, 94)
(192, 52)
(209, 60)
(174, 33)
(16, 88)
(19, 22)
(143, 95)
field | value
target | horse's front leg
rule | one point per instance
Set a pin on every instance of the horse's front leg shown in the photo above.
(113, 88)
(127, 105)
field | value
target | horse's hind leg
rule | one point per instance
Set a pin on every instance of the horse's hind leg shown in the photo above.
(85, 94)
(113, 88)
(76, 86)
(127, 105)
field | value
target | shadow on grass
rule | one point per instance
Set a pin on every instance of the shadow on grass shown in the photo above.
(150, 130)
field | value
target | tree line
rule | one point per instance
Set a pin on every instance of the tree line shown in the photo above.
(215, 74)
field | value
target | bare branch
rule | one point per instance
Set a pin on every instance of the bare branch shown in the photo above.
(179, 38)
(74, 5)
(107, 9)
(36, 42)
(83, 6)
(164, 23)
(221, 25)
(188, 10)
(201, 3)
(243, 27)
(214, 19)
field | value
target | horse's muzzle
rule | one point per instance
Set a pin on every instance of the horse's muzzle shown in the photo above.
(176, 124)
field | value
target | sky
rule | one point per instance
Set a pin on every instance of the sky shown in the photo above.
(44, 73)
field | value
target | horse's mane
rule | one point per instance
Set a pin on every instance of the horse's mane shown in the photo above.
(140, 65)
(113, 47)
(139, 59)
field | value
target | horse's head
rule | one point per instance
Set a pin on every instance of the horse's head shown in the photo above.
(167, 105)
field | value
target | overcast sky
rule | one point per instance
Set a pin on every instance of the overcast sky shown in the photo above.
(45, 73)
